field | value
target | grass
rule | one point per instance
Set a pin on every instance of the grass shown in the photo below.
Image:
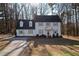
(49, 54)
(68, 53)
(76, 46)
(3, 46)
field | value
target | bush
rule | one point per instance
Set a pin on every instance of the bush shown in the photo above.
(37, 35)
(43, 35)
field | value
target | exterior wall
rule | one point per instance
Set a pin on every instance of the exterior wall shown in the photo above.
(52, 28)
(38, 28)
(44, 28)
(57, 28)
(24, 32)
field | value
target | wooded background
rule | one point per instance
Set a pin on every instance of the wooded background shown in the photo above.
(11, 12)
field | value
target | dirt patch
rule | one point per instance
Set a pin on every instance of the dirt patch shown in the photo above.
(42, 47)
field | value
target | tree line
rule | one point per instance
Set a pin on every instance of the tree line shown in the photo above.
(68, 12)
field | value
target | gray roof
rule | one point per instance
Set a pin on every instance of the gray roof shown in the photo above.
(47, 18)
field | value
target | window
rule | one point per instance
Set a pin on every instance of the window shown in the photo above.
(30, 31)
(21, 24)
(30, 23)
(47, 24)
(20, 32)
(40, 24)
(40, 31)
(55, 24)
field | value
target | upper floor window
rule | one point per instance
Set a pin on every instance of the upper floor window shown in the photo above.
(40, 24)
(30, 23)
(55, 24)
(21, 23)
(47, 24)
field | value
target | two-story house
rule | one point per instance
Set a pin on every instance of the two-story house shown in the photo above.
(40, 25)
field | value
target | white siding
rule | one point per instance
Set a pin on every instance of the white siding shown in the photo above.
(52, 27)
(24, 32)
(43, 28)
(58, 28)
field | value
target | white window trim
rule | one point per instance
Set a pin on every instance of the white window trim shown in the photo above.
(21, 23)
(30, 23)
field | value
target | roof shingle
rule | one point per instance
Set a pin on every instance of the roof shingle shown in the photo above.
(47, 18)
